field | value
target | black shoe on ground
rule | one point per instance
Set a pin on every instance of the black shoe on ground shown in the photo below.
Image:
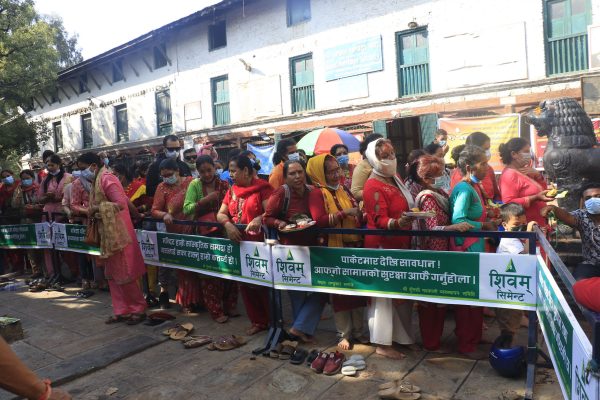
(151, 301)
(163, 300)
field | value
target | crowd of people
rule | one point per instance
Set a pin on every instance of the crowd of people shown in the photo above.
(324, 188)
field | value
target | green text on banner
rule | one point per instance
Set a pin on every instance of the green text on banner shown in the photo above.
(245, 261)
(570, 349)
(498, 280)
(69, 237)
(26, 236)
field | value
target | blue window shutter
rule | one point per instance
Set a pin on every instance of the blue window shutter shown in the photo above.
(380, 127)
(428, 123)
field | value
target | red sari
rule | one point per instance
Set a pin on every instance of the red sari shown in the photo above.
(169, 198)
(244, 204)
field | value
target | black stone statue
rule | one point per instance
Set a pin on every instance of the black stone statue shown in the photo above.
(572, 157)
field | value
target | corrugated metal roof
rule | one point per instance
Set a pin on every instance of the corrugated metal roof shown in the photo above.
(132, 45)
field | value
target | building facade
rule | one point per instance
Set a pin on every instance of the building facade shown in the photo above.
(240, 69)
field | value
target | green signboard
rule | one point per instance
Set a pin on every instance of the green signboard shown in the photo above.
(245, 261)
(69, 237)
(26, 236)
(569, 347)
(449, 277)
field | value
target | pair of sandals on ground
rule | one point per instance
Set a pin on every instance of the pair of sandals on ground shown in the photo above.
(182, 332)
(400, 390)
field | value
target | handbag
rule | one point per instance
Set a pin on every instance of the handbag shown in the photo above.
(92, 235)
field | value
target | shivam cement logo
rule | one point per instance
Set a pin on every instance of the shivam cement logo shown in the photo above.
(292, 265)
(507, 278)
(255, 262)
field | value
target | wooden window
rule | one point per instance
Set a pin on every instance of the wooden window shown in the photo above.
(297, 11)
(303, 83)
(413, 62)
(86, 131)
(122, 123)
(566, 23)
(220, 100)
(57, 135)
(217, 35)
(163, 112)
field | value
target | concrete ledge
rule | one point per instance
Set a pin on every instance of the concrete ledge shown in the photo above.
(11, 329)
(93, 360)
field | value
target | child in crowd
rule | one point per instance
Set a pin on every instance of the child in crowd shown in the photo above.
(513, 220)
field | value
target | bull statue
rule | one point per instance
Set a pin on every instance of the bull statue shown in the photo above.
(572, 157)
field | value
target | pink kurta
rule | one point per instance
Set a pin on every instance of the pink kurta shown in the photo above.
(123, 268)
(58, 190)
(130, 259)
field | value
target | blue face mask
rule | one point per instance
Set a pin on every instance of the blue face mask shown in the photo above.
(474, 179)
(442, 143)
(106, 161)
(170, 180)
(438, 183)
(9, 180)
(343, 159)
(27, 182)
(88, 174)
(593, 205)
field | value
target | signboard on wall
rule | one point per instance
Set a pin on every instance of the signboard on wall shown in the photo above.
(356, 58)
(500, 129)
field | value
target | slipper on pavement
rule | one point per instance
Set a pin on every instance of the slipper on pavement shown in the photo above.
(299, 356)
(349, 370)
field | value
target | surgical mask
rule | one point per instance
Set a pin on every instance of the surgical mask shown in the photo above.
(171, 153)
(442, 143)
(170, 180)
(438, 183)
(106, 161)
(488, 154)
(343, 159)
(336, 187)
(219, 171)
(27, 182)
(54, 173)
(76, 174)
(474, 179)
(9, 180)
(294, 156)
(191, 165)
(388, 168)
(88, 174)
(593, 205)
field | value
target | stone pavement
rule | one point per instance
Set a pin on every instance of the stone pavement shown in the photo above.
(67, 340)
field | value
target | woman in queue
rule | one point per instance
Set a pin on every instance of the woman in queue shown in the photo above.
(287, 204)
(168, 206)
(25, 201)
(286, 150)
(124, 263)
(386, 199)
(202, 201)
(245, 203)
(50, 194)
(363, 169)
(467, 204)
(489, 186)
(521, 183)
(332, 205)
(428, 182)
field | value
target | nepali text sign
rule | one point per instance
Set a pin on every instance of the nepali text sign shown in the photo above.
(499, 129)
(245, 261)
(26, 236)
(69, 237)
(354, 58)
(501, 280)
(569, 347)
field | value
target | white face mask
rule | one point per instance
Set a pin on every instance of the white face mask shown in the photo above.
(294, 156)
(488, 154)
(438, 183)
(388, 168)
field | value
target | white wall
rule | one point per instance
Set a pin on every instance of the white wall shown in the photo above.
(471, 43)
